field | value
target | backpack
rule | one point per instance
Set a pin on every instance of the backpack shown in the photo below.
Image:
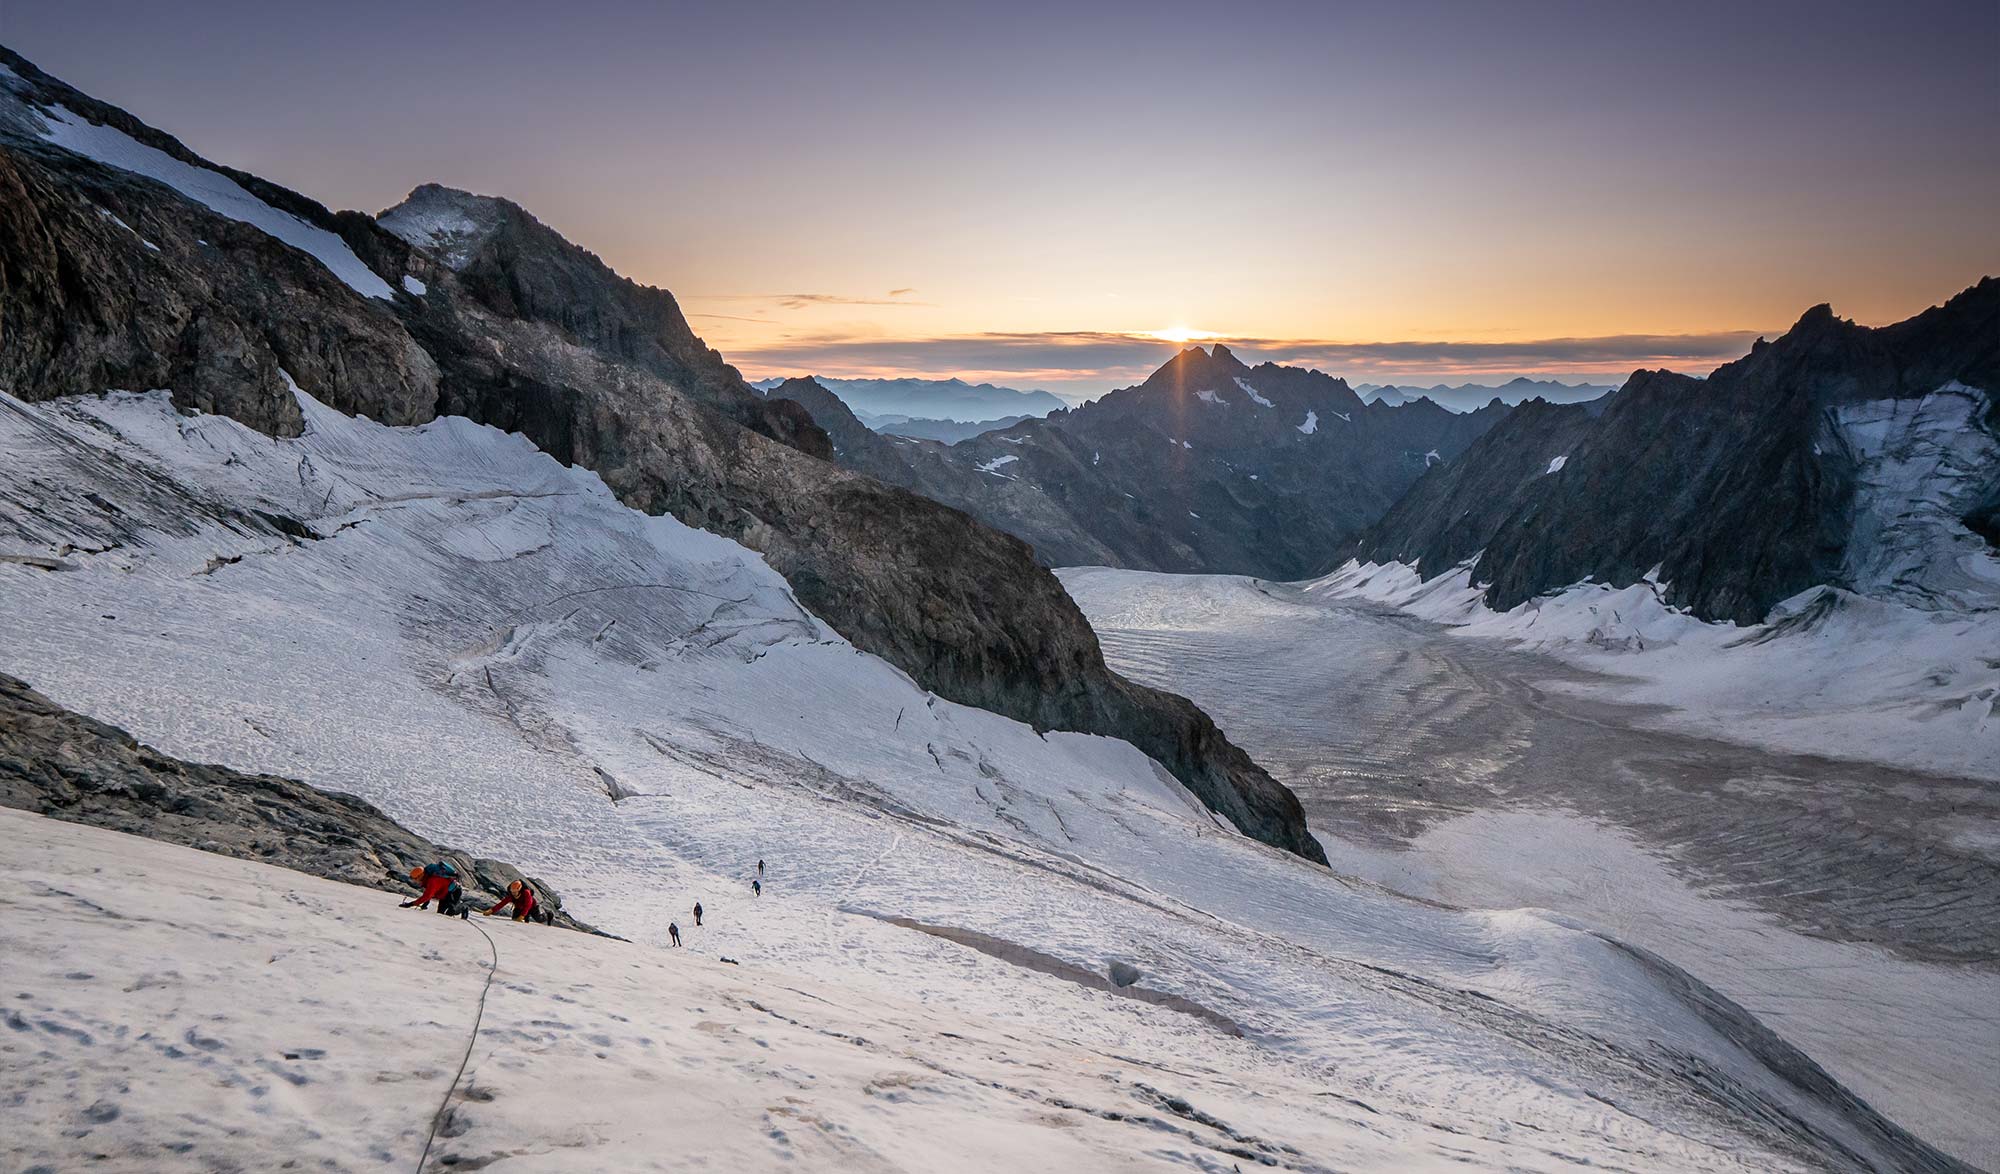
(443, 868)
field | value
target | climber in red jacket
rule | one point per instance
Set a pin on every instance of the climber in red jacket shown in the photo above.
(521, 897)
(434, 880)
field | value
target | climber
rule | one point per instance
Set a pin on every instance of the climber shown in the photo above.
(673, 933)
(756, 888)
(521, 897)
(453, 903)
(435, 880)
(760, 867)
(697, 913)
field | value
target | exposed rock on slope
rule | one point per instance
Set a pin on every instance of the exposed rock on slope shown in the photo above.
(61, 764)
(1770, 476)
(113, 279)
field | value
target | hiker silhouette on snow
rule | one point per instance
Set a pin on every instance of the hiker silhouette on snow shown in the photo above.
(673, 933)
(697, 913)
(756, 888)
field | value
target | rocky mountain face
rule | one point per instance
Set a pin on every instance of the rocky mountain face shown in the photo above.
(1803, 463)
(66, 766)
(1208, 466)
(127, 261)
(1452, 511)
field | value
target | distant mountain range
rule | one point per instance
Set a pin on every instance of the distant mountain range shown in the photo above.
(1839, 455)
(933, 399)
(1209, 465)
(945, 431)
(1467, 397)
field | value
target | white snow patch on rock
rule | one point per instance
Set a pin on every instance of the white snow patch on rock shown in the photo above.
(1311, 425)
(1255, 396)
(213, 190)
(993, 466)
(415, 286)
(1556, 465)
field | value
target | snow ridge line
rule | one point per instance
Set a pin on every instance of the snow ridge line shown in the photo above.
(479, 1015)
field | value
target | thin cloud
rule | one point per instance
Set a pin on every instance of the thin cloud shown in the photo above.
(799, 301)
(906, 290)
(1111, 358)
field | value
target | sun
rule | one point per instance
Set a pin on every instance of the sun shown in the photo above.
(1180, 334)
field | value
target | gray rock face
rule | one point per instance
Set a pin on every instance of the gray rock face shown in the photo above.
(517, 328)
(516, 269)
(1740, 489)
(60, 764)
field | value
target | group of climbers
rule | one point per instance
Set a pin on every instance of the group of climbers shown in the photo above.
(674, 927)
(439, 882)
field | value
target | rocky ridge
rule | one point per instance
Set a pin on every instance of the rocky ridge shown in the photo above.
(1736, 491)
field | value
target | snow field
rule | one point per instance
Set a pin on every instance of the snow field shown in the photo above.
(1831, 673)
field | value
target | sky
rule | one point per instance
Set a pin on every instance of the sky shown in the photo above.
(1058, 196)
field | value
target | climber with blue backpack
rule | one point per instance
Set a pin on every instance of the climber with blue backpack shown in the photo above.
(437, 882)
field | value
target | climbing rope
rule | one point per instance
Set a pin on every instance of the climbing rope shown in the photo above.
(444, 1106)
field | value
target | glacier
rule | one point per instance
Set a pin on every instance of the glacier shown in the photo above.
(486, 644)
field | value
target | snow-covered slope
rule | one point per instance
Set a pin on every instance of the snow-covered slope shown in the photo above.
(488, 645)
(298, 1018)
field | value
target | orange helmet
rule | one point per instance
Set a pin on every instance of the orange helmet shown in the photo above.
(417, 874)
(513, 886)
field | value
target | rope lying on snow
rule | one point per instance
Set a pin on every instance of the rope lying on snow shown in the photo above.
(444, 1106)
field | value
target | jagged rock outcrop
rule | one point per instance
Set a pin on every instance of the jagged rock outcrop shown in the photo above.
(110, 279)
(61, 764)
(516, 269)
(1739, 490)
